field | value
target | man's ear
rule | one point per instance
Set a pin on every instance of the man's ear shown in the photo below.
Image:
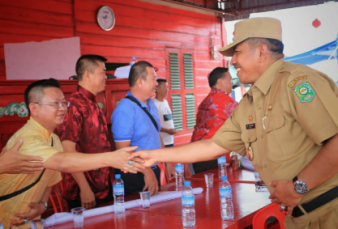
(139, 82)
(86, 76)
(220, 82)
(263, 52)
(33, 109)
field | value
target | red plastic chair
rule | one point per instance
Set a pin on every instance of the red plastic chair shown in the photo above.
(164, 178)
(59, 204)
(259, 220)
(187, 170)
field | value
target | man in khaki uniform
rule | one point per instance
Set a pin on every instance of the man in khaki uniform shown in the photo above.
(287, 124)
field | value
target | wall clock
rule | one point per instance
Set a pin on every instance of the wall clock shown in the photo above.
(106, 18)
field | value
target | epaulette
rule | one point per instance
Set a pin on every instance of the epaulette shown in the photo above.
(290, 67)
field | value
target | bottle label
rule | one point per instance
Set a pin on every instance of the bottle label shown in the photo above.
(179, 168)
(225, 192)
(118, 189)
(221, 160)
(188, 201)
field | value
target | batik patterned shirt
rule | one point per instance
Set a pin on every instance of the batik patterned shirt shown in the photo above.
(212, 113)
(85, 124)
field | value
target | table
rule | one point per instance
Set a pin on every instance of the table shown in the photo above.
(133, 219)
(246, 202)
(168, 214)
(236, 176)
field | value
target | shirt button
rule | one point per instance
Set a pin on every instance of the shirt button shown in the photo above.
(262, 136)
(265, 166)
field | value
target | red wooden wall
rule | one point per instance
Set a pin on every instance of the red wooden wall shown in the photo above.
(143, 29)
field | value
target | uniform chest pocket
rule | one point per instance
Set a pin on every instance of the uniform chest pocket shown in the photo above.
(280, 142)
(274, 122)
(249, 136)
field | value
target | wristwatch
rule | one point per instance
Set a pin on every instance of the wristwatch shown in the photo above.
(300, 186)
(44, 203)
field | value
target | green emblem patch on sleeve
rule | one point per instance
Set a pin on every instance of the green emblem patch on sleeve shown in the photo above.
(305, 92)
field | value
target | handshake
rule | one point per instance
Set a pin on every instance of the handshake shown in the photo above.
(129, 161)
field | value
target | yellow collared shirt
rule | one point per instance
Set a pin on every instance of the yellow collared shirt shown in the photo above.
(37, 142)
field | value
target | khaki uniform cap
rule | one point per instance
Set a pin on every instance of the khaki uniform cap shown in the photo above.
(254, 27)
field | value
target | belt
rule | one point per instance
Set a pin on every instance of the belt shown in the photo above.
(154, 167)
(316, 202)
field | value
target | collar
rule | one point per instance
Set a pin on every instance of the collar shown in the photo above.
(86, 93)
(142, 103)
(46, 134)
(216, 90)
(265, 81)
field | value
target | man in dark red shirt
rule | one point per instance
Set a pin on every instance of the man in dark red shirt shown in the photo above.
(215, 109)
(85, 130)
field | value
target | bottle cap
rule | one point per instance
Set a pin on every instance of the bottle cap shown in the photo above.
(117, 176)
(133, 58)
(187, 183)
(223, 178)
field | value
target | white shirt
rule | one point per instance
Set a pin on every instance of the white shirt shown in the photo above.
(167, 122)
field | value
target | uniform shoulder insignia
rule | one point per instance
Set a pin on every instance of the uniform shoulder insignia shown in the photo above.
(294, 81)
(305, 92)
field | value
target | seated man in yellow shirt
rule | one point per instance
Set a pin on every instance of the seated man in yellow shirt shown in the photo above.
(47, 107)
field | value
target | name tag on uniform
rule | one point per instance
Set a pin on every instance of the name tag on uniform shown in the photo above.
(250, 126)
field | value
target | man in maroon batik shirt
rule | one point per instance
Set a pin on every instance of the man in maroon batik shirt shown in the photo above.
(215, 109)
(85, 130)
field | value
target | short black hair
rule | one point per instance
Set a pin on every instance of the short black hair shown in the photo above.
(39, 86)
(217, 73)
(159, 81)
(138, 70)
(87, 62)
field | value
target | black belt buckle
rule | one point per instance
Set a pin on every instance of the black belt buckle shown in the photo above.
(316, 202)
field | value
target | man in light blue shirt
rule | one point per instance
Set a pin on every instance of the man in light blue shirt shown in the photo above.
(135, 122)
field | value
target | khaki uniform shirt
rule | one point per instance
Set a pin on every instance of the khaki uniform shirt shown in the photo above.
(37, 142)
(285, 116)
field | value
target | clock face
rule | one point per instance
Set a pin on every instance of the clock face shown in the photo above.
(106, 18)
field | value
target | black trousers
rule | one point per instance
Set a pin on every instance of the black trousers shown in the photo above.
(205, 165)
(134, 183)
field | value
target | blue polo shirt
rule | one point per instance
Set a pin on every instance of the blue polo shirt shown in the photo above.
(131, 123)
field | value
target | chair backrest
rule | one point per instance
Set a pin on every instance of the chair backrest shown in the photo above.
(59, 204)
(164, 178)
(259, 220)
(187, 170)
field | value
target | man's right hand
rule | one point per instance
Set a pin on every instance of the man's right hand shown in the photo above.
(120, 159)
(172, 131)
(87, 198)
(13, 162)
(145, 155)
(150, 181)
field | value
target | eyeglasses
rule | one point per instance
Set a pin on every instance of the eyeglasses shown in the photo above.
(56, 105)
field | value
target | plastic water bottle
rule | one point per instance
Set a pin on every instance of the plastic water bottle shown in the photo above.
(188, 205)
(118, 190)
(222, 171)
(225, 196)
(133, 61)
(1, 226)
(179, 170)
